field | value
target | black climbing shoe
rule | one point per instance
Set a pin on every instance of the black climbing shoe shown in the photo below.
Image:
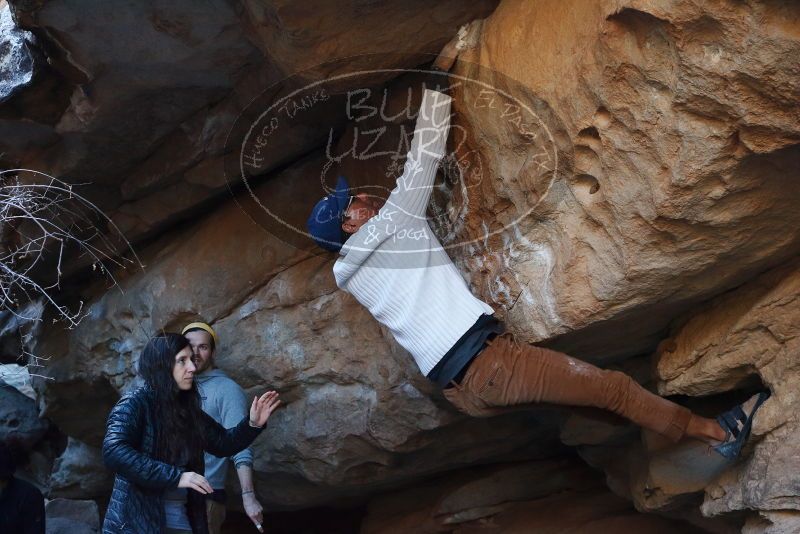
(736, 435)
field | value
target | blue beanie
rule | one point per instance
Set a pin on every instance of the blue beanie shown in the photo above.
(325, 222)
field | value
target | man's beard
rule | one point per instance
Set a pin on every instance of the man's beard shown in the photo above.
(205, 366)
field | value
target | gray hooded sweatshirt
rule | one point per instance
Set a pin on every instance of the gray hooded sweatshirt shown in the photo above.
(226, 403)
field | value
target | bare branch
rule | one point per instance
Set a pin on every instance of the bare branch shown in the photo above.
(39, 223)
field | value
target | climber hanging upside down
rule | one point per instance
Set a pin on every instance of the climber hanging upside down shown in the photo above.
(392, 263)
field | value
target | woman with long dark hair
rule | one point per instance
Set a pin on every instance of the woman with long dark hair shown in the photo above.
(155, 440)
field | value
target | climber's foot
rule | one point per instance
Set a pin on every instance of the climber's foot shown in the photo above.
(705, 429)
(736, 423)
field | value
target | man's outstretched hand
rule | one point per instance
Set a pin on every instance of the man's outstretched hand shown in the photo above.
(263, 407)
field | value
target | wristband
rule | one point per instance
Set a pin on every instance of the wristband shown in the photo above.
(248, 491)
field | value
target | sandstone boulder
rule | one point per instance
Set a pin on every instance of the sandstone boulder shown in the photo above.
(546, 496)
(346, 32)
(745, 337)
(79, 473)
(18, 377)
(147, 94)
(19, 418)
(642, 160)
(16, 59)
(65, 516)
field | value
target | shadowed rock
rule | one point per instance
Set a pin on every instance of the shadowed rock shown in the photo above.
(19, 418)
(16, 59)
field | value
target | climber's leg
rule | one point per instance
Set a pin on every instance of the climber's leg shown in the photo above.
(509, 374)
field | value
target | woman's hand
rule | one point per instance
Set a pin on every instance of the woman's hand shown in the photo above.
(196, 482)
(263, 407)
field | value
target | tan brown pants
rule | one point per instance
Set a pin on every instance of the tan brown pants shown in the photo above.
(216, 516)
(510, 375)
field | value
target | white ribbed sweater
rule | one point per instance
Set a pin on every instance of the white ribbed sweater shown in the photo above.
(396, 267)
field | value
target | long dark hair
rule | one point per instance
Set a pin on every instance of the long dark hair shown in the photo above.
(176, 413)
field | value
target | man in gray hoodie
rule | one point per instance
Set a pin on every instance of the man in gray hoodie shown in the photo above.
(226, 403)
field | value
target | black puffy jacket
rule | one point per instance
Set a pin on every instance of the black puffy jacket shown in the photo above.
(136, 505)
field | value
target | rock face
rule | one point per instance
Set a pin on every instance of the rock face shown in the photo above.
(623, 188)
(567, 497)
(752, 332)
(72, 517)
(16, 59)
(281, 30)
(79, 473)
(668, 148)
(18, 377)
(19, 418)
(150, 99)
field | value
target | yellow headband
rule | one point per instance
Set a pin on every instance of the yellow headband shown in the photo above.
(202, 326)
